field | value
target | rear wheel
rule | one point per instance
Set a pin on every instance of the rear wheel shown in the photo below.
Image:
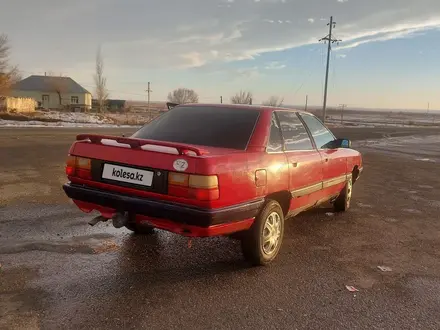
(140, 228)
(342, 203)
(262, 242)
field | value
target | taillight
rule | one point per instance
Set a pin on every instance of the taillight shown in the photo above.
(79, 167)
(200, 187)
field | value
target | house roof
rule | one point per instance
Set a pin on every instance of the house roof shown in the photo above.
(49, 84)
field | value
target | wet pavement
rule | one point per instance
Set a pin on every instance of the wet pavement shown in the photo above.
(58, 272)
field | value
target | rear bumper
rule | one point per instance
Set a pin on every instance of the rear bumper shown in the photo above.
(164, 212)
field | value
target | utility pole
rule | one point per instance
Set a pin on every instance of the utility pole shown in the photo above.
(342, 112)
(330, 40)
(148, 100)
(307, 102)
(221, 99)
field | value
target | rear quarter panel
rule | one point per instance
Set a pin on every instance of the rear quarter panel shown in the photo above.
(237, 174)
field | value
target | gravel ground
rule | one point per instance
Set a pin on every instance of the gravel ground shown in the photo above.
(57, 272)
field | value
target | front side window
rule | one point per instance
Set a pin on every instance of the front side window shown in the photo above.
(320, 133)
(294, 133)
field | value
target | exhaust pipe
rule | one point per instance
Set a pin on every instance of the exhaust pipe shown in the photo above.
(97, 219)
(119, 220)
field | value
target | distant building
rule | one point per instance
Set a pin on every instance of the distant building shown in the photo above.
(110, 105)
(53, 92)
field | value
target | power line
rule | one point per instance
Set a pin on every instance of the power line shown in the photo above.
(148, 99)
(329, 39)
(342, 112)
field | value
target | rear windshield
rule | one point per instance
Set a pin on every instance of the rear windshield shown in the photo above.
(221, 127)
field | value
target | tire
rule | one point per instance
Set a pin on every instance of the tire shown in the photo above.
(342, 203)
(140, 229)
(255, 251)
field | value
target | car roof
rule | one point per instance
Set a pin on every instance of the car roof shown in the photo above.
(242, 106)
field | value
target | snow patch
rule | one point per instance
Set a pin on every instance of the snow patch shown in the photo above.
(164, 149)
(76, 117)
(425, 186)
(398, 141)
(426, 160)
(34, 123)
(63, 119)
(113, 143)
(412, 211)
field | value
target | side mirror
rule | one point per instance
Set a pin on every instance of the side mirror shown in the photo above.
(339, 143)
(342, 143)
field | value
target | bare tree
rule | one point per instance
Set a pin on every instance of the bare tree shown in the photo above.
(183, 95)
(243, 97)
(59, 85)
(274, 101)
(100, 81)
(9, 74)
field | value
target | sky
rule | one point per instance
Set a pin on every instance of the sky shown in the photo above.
(389, 56)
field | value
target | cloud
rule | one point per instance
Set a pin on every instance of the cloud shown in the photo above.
(168, 34)
(274, 66)
(311, 20)
(398, 31)
(341, 55)
(248, 73)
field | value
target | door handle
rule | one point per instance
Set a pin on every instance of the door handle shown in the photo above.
(295, 164)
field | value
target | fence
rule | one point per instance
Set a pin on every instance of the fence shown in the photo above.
(17, 104)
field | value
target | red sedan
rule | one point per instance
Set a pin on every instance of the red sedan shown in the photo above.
(206, 170)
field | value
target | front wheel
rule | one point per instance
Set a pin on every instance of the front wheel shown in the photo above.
(342, 203)
(262, 242)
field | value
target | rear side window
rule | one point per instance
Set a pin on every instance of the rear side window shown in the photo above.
(221, 127)
(320, 133)
(275, 140)
(294, 134)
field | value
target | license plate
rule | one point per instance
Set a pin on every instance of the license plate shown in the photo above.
(128, 175)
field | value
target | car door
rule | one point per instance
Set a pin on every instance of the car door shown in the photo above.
(334, 160)
(304, 160)
(273, 163)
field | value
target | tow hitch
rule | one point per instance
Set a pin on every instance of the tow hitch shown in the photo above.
(97, 219)
(119, 220)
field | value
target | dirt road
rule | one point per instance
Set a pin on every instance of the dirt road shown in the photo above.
(57, 272)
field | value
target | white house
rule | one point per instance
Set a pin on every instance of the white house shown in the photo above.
(53, 92)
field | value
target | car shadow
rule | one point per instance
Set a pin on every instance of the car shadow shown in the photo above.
(168, 258)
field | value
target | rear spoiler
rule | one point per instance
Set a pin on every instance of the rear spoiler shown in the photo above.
(171, 105)
(182, 149)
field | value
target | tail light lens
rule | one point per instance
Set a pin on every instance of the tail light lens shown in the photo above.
(200, 187)
(79, 167)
